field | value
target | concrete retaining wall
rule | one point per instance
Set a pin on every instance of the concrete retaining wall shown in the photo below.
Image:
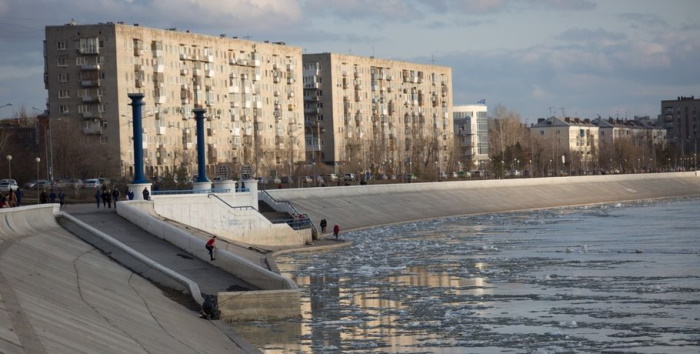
(238, 225)
(359, 206)
(142, 214)
(27, 220)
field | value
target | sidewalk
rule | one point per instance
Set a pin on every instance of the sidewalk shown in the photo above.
(210, 279)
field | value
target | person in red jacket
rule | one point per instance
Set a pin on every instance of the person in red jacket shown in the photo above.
(210, 247)
(336, 231)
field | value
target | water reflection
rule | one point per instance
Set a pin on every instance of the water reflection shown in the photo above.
(552, 281)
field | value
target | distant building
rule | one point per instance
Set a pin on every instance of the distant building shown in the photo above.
(681, 118)
(251, 91)
(637, 131)
(369, 114)
(568, 144)
(471, 134)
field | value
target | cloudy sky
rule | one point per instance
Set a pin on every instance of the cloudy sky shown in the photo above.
(582, 58)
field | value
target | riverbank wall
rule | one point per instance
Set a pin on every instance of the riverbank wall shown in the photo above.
(362, 206)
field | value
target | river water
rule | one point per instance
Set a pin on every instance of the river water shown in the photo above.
(606, 278)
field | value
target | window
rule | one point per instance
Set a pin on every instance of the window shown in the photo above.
(63, 109)
(63, 60)
(61, 45)
(63, 93)
(63, 77)
(89, 45)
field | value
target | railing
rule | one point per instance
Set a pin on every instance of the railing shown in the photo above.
(190, 191)
(244, 207)
(296, 223)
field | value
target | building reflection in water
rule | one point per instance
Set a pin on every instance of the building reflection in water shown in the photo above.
(374, 310)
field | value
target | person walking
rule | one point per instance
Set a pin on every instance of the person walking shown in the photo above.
(146, 193)
(98, 197)
(19, 194)
(115, 196)
(336, 231)
(105, 197)
(11, 199)
(210, 247)
(324, 223)
(52, 196)
(130, 194)
(61, 197)
(43, 197)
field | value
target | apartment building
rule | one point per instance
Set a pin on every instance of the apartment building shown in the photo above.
(569, 144)
(681, 119)
(471, 134)
(251, 92)
(364, 114)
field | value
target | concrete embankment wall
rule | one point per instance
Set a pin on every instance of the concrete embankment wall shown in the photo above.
(240, 224)
(358, 206)
(142, 214)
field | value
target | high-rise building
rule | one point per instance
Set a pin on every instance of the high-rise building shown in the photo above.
(251, 92)
(472, 134)
(681, 118)
(364, 114)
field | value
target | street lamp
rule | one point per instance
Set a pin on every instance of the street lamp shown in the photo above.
(37, 178)
(9, 166)
(6, 105)
(49, 144)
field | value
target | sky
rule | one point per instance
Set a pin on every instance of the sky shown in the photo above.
(578, 58)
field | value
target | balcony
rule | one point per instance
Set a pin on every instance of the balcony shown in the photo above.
(90, 83)
(87, 67)
(209, 73)
(92, 115)
(92, 99)
(160, 130)
(234, 89)
(312, 85)
(93, 129)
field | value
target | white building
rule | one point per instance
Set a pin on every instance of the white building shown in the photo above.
(471, 134)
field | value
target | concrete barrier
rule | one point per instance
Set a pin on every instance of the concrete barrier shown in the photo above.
(215, 215)
(141, 213)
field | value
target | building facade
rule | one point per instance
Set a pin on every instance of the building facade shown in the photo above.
(363, 114)
(472, 134)
(251, 92)
(570, 145)
(681, 119)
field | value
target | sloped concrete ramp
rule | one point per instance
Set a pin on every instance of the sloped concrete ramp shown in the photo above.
(60, 295)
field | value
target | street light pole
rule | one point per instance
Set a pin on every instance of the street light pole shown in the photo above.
(9, 166)
(37, 179)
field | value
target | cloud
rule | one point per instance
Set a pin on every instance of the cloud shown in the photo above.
(640, 20)
(351, 10)
(567, 4)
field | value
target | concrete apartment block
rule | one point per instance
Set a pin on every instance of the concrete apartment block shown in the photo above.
(368, 114)
(251, 91)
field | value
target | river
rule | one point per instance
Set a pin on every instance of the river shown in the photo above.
(614, 277)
